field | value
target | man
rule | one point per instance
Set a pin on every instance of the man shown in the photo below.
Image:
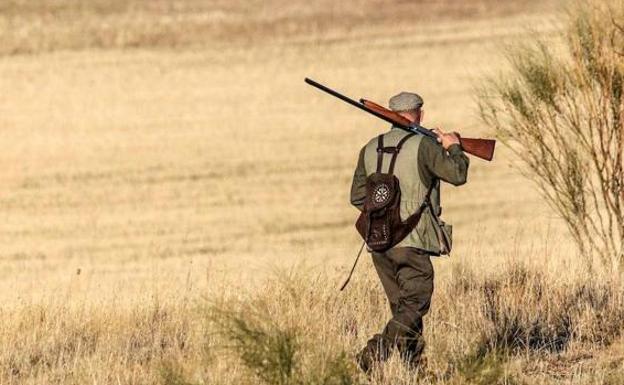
(405, 271)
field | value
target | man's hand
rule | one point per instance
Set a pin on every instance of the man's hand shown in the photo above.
(447, 139)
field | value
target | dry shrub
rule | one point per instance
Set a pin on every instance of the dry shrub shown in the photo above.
(523, 311)
(562, 113)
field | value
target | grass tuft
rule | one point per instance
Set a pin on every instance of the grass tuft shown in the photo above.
(265, 349)
(488, 369)
(274, 353)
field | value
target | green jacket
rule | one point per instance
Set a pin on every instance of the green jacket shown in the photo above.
(421, 161)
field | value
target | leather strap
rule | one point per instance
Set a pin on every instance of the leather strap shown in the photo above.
(380, 152)
(353, 268)
(398, 149)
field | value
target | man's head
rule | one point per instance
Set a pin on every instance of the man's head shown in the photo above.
(408, 105)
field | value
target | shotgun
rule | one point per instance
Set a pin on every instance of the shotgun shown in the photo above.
(481, 148)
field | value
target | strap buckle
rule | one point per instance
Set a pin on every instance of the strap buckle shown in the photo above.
(388, 150)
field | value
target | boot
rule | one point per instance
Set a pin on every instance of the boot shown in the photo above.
(413, 355)
(374, 352)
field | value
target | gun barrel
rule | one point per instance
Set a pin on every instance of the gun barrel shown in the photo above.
(354, 103)
(364, 105)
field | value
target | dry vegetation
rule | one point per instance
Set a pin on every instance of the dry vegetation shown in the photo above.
(33, 26)
(176, 215)
(561, 111)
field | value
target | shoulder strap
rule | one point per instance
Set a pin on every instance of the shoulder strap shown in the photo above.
(380, 152)
(397, 150)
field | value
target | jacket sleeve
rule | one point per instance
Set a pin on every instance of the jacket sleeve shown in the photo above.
(434, 162)
(358, 186)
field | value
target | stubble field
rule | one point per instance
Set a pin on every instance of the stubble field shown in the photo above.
(147, 183)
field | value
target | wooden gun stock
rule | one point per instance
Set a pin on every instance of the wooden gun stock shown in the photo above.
(401, 120)
(481, 148)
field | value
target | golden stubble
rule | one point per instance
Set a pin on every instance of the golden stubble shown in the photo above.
(138, 184)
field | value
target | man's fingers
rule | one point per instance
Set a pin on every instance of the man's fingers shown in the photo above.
(438, 133)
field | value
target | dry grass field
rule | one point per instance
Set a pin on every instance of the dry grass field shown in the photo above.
(164, 167)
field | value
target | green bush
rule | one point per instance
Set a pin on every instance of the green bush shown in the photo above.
(273, 349)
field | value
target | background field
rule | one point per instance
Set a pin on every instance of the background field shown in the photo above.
(160, 155)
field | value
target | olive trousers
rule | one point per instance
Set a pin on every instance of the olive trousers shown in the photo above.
(406, 274)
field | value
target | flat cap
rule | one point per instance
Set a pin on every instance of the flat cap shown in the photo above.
(405, 101)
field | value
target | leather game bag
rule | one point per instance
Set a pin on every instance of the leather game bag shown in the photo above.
(380, 223)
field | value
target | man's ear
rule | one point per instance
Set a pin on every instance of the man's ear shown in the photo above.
(403, 114)
(409, 115)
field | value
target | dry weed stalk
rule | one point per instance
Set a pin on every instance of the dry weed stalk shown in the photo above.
(563, 116)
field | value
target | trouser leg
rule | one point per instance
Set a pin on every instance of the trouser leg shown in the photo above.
(407, 278)
(414, 277)
(377, 348)
(386, 271)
